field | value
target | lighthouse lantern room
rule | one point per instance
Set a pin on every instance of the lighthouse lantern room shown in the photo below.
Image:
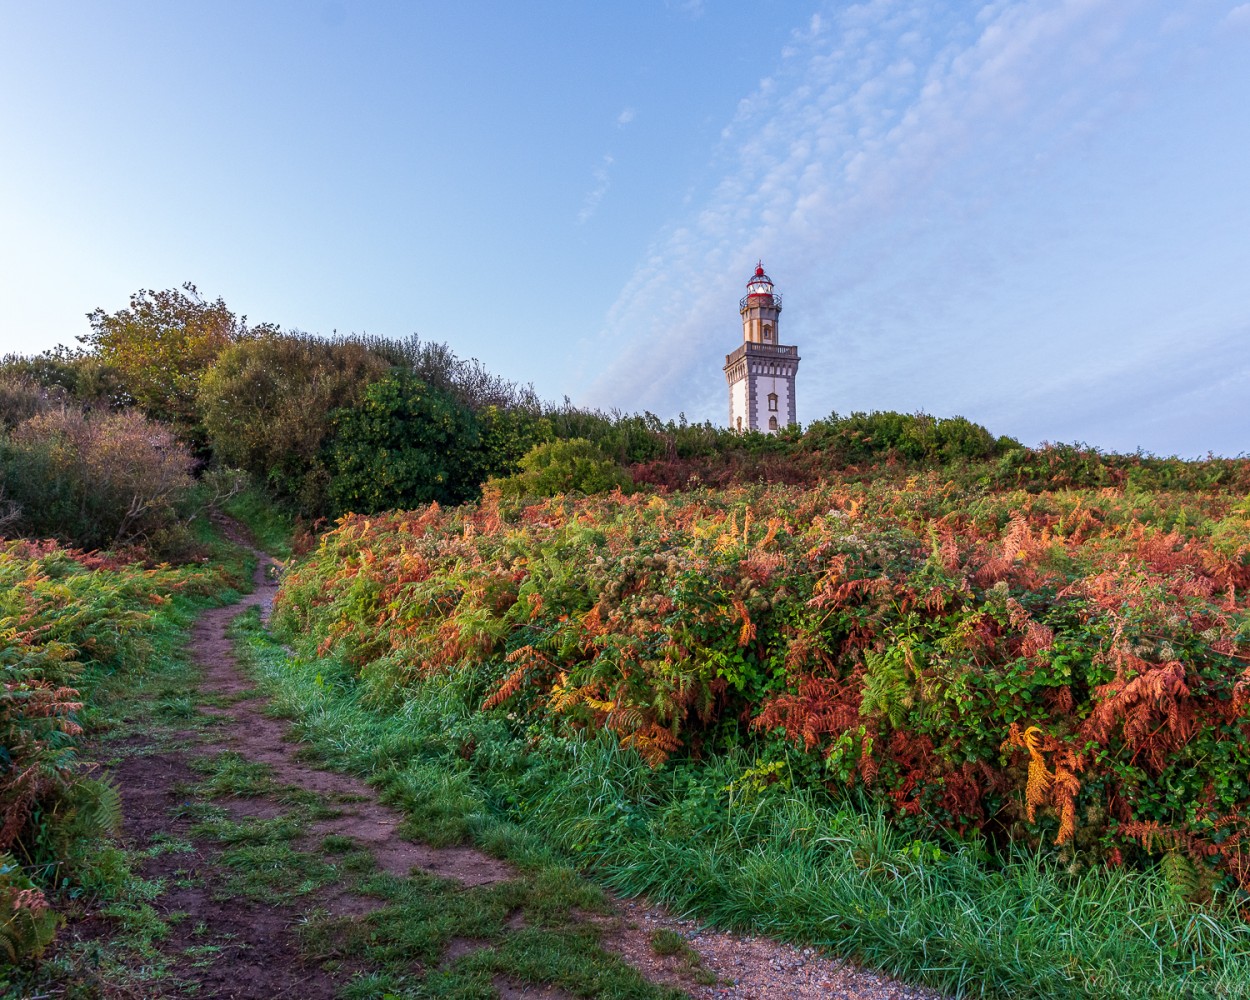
(761, 371)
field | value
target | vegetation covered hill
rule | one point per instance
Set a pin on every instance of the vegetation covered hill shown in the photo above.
(889, 683)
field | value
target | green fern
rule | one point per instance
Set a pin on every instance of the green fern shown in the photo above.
(27, 923)
(1184, 880)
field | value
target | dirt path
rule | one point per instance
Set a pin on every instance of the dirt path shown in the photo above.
(232, 937)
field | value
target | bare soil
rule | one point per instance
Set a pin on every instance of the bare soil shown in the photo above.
(254, 947)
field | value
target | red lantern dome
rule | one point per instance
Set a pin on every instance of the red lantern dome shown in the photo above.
(760, 283)
(760, 291)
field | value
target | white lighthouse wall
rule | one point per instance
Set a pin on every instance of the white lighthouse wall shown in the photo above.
(764, 384)
(738, 404)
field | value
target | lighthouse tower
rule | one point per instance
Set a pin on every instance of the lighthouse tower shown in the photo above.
(761, 371)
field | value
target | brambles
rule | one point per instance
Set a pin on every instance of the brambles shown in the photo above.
(1054, 668)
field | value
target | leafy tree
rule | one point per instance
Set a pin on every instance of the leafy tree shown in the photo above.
(267, 402)
(162, 344)
(465, 379)
(405, 443)
(507, 435)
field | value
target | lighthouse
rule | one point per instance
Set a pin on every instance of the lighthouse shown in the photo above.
(761, 371)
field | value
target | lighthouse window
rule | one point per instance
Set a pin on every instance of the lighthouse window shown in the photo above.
(772, 403)
(768, 331)
(772, 423)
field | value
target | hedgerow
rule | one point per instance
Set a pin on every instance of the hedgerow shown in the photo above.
(1062, 669)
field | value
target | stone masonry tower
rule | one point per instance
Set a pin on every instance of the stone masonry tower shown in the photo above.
(761, 372)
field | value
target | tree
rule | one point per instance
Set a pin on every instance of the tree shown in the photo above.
(404, 444)
(267, 402)
(162, 344)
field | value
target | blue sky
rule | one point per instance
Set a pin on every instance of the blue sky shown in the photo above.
(1033, 214)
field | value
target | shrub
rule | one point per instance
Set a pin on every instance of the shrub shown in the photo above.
(575, 466)
(66, 374)
(162, 344)
(94, 479)
(21, 399)
(912, 437)
(267, 404)
(466, 380)
(402, 445)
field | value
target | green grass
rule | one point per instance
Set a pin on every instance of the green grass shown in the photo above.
(270, 525)
(787, 863)
(417, 917)
(148, 709)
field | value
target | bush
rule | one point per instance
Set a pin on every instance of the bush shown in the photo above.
(68, 375)
(575, 466)
(162, 344)
(94, 479)
(910, 437)
(21, 399)
(402, 445)
(267, 404)
(466, 380)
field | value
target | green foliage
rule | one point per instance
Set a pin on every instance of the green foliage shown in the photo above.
(270, 525)
(912, 437)
(267, 405)
(27, 923)
(94, 479)
(66, 374)
(66, 621)
(1060, 669)
(506, 436)
(21, 399)
(403, 445)
(464, 379)
(554, 467)
(161, 345)
(790, 862)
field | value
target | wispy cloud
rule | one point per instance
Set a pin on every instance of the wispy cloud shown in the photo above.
(603, 180)
(887, 136)
(626, 116)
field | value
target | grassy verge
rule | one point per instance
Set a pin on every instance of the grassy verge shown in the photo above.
(124, 941)
(522, 929)
(113, 633)
(531, 929)
(271, 527)
(720, 841)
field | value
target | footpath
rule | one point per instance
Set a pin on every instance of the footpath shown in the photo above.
(280, 879)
